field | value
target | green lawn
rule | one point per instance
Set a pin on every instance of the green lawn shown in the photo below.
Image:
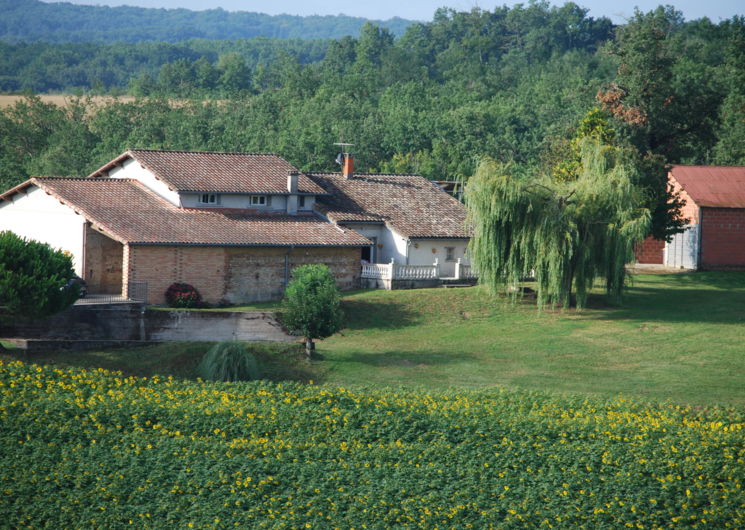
(676, 337)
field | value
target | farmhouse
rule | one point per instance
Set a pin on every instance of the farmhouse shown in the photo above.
(232, 224)
(715, 206)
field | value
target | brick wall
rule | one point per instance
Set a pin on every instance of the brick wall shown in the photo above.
(650, 251)
(233, 274)
(258, 274)
(723, 238)
(690, 210)
(103, 263)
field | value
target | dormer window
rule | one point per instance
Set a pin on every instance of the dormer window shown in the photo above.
(301, 201)
(209, 198)
(258, 200)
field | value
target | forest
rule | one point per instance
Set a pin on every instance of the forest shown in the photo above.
(519, 85)
(62, 22)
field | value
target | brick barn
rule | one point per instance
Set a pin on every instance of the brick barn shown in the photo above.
(715, 206)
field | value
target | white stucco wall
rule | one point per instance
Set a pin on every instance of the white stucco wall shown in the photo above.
(370, 232)
(425, 251)
(36, 215)
(277, 203)
(131, 169)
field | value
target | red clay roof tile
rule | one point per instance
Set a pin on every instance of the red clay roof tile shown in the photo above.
(130, 213)
(410, 204)
(216, 172)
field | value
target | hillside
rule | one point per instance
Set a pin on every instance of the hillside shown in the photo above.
(33, 20)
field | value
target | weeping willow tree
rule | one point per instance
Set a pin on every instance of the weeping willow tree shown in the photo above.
(565, 234)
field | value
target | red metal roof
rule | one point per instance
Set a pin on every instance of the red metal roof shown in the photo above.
(713, 186)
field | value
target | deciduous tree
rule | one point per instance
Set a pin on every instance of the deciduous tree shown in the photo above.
(566, 234)
(312, 304)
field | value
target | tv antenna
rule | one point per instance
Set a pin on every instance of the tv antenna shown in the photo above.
(344, 147)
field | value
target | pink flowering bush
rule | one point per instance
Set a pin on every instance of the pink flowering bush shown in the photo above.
(183, 295)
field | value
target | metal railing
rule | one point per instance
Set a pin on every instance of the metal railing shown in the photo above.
(137, 292)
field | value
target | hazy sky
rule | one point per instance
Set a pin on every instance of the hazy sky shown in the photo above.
(423, 9)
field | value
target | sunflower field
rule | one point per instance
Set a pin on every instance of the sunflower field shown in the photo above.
(91, 448)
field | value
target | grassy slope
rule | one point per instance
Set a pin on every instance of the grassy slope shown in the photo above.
(676, 337)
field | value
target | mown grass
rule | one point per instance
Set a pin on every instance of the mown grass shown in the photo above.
(676, 337)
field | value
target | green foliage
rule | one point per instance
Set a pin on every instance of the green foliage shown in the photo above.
(87, 23)
(565, 234)
(594, 126)
(33, 278)
(312, 304)
(228, 361)
(97, 448)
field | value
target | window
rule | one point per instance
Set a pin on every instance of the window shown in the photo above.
(449, 253)
(209, 198)
(258, 200)
(301, 202)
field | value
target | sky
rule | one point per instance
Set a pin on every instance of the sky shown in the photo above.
(423, 10)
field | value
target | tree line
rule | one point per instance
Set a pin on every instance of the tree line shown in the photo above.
(62, 22)
(512, 84)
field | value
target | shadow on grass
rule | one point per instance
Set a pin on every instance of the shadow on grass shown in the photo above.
(362, 314)
(680, 304)
(404, 359)
(277, 361)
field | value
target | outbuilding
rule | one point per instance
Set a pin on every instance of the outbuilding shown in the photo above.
(714, 238)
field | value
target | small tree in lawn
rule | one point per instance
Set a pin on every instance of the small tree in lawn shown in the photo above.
(312, 304)
(34, 278)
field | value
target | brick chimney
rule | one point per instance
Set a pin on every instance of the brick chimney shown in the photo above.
(347, 168)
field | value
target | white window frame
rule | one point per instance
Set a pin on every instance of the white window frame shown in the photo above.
(257, 200)
(449, 253)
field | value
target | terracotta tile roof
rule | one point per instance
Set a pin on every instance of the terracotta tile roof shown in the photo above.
(216, 172)
(130, 213)
(410, 204)
(713, 186)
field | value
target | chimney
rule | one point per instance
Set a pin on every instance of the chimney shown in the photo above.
(292, 176)
(347, 170)
(292, 198)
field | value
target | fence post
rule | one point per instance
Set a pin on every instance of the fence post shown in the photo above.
(457, 269)
(437, 268)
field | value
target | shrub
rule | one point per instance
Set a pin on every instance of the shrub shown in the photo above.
(312, 304)
(35, 279)
(183, 295)
(228, 361)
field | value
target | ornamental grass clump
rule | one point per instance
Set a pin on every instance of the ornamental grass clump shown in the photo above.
(228, 361)
(183, 295)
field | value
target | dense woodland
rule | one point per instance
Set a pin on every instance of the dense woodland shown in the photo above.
(62, 22)
(517, 85)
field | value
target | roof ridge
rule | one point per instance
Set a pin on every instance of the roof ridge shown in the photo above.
(87, 179)
(706, 165)
(367, 174)
(184, 151)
